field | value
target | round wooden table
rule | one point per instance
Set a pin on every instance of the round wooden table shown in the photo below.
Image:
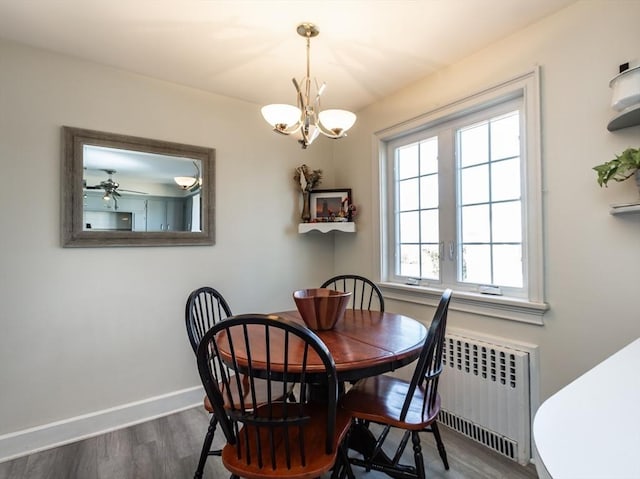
(363, 344)
(368, 343)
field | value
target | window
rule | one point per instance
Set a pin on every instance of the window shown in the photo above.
(489, 202)
(460, 202)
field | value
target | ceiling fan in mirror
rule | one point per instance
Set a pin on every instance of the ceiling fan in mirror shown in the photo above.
(110, 187)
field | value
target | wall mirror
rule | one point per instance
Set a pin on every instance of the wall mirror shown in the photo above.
(120, 190)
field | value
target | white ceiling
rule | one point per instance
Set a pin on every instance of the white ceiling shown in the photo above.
(249, 49)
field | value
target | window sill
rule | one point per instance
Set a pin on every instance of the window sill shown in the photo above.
(482, 304)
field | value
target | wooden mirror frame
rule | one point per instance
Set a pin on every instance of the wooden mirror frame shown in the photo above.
(73, 234)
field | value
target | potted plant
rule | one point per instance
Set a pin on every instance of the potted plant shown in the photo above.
(621, 168)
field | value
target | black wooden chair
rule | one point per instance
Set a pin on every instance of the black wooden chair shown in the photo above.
(410, 406)
(365, 293)
(284, 439)
(205, 307)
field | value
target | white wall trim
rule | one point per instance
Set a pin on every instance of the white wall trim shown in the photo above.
(499, 307)
(46, 436)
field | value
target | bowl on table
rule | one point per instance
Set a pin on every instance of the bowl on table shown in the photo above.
(321, 308)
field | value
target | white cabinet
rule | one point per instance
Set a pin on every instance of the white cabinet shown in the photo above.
(165, 214)
(148, 213)
(95, 202)
(175, 214)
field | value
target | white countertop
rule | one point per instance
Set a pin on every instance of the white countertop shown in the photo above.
(590, 429)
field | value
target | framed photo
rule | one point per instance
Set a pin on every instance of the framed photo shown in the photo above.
(330, 205)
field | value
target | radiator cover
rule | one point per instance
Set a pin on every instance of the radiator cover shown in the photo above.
(485, 392)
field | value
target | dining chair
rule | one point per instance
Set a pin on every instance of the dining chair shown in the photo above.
(410, 406)
(300, 439)
(365, 294)
(205, 307)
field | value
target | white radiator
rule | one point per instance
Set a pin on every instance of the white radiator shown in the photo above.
(485, 394)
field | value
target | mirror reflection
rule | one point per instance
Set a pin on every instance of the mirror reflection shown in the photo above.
(127, 191)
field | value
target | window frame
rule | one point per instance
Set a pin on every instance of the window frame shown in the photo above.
(529, 308)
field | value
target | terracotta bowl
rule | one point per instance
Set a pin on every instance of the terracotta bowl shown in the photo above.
(321, 308)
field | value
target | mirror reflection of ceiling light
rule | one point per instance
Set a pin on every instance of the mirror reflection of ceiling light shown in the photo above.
(191, 183)
(186, 182)
(305, 122)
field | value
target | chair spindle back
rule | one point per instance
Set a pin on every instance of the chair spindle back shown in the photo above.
(205, 307)
(365, 293)
(429, 366)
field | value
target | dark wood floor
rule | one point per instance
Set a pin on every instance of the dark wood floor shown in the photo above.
(168, 448)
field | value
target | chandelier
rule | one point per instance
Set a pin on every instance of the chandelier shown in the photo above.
(305, 121)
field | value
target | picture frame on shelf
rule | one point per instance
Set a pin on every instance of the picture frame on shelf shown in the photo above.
(330, 205)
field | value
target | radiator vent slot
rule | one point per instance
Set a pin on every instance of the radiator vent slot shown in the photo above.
(494, 441)
(482, 361)
(485, 394)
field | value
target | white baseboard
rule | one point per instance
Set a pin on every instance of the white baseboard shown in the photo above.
(39, 438)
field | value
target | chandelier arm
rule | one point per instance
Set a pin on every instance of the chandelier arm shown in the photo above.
(320, 91)
(290, 130)
(308, 54)
(304, 129)
(331, 134)
(302, 104)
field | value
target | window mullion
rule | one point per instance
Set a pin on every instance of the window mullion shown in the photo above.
(447, 202)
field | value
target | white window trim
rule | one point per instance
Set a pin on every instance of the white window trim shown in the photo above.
(530, 311)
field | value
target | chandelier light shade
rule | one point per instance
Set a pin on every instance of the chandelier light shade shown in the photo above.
(305, 121)
(337, 121)
(280, 115)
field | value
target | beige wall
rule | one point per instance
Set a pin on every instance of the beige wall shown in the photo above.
(87, 329)
(82, 330)
(591, 265)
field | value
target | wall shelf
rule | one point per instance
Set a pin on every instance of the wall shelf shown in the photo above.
(625, 209)
(345, 227)
(625, 97)
(625, 119)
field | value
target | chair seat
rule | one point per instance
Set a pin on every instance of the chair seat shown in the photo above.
(380, 399)
(317, 460)
(262, 394)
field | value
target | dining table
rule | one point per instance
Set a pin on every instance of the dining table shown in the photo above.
(363, 343)
(367, 343)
